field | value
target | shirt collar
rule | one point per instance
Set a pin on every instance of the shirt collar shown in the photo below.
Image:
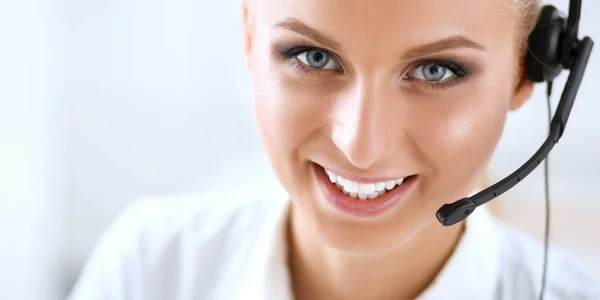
(470, 273)
(472, 270)
(267, 274)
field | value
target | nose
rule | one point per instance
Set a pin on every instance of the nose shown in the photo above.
(363, 128)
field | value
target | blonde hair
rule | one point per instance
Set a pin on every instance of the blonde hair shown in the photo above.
(528, 11)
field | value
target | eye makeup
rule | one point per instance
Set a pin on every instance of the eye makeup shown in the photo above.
(289, 51)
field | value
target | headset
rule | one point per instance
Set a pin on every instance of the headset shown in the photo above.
(553, 45)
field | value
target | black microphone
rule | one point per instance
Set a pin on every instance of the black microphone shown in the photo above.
(452, 213)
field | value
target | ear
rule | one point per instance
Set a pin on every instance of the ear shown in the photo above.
(523, 90)
(247, 31)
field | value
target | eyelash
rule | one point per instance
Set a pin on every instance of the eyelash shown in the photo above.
(290, 54)
(460, 72)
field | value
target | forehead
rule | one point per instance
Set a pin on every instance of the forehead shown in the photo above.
(384, 23)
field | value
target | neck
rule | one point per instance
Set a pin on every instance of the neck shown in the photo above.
(320, 272)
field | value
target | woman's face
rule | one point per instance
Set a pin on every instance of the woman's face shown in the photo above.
(377, 91)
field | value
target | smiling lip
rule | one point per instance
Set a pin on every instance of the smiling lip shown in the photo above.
(358, 207)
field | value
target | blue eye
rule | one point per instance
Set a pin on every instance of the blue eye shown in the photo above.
(432, 72)
(317, 59)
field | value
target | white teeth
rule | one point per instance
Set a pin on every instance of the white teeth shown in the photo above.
(332, 177)
(366, 188)
(390, 184)
(362, 191)
(351, 186)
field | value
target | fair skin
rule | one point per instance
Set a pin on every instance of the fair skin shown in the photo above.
(371, 111)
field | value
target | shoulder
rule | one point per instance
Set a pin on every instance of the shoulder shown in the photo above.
(155, 243)
(159, 222)
(521, 268)
(205, 215)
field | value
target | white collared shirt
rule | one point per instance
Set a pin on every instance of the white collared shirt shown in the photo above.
(218, 246)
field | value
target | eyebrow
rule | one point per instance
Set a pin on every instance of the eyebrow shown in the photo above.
(452, 42)
(296, 26)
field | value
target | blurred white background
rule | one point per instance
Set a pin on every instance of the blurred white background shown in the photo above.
(105, 101)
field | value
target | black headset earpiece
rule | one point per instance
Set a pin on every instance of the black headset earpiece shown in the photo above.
(543, 61)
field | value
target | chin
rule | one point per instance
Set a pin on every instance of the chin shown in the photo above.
(373, 241)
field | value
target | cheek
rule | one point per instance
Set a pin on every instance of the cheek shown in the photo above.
(284, 114)
(290, 116)
(461, 140)
(471, 138)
